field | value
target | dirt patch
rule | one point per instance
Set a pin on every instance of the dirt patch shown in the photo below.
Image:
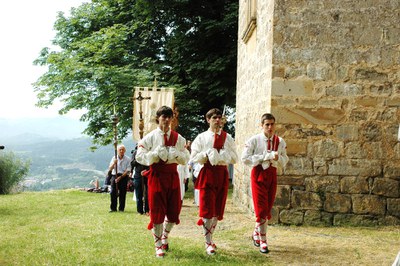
(233, 217)
(293, 245)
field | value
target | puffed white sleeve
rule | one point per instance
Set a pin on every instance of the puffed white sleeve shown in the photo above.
(248, 157)
(145, 155)
(182, 155)
(198, 155)
(213, 156)
(228, 154)
(283, 158)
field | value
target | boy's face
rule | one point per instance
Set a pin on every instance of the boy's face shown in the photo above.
(268, 127)
(164, 122)
(214, 121)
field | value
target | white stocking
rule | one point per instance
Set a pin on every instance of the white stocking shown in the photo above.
(167, 227)
(207, 229)
(157, 232)
(256, 232)
(214, 225)
(263, 230)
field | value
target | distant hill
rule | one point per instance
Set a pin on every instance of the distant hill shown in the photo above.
(60, 156)
(48, 128)
(62, 164)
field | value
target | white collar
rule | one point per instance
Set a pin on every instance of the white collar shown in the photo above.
(162, 132)
(212, 132)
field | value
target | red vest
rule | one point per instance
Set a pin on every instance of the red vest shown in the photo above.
(219, 140)
(171, 142)
(275, 143)
(173, 138)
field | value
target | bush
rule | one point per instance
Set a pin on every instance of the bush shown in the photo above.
(12, 171)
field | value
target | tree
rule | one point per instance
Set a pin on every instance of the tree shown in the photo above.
(201, 53)
(12, 171)
(109, 46)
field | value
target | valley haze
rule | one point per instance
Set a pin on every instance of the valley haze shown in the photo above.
(58, 152)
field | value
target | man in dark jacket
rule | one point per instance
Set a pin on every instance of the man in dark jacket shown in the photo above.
(140, 184)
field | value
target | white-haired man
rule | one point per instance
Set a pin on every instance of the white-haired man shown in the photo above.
(119, 180)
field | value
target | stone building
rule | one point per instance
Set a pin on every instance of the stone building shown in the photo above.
(330, 73)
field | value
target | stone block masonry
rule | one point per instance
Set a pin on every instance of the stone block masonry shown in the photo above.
(330, 73)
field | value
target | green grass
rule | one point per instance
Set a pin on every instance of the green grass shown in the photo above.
(72, 227)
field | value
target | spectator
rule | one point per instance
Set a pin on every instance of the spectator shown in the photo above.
(140, 184)
(119, 180)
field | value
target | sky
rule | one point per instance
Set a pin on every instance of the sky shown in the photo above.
(26, 27)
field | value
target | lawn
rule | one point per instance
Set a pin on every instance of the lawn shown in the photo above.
(73, 227)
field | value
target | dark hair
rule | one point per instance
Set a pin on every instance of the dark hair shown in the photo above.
(164, 110)
(267, 116)
(213, 111)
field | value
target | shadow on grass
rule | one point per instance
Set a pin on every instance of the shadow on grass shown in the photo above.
(6, 211)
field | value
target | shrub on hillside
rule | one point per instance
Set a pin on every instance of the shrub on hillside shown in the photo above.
(12, 171)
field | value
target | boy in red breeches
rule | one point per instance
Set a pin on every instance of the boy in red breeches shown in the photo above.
(265, 152)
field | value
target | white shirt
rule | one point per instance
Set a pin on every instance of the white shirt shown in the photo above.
(202, 148)
(147, 149)
(123, 164)
(255, 152)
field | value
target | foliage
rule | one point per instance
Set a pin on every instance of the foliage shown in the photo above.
(107, 47)
(12, 171)
(104, 52)
(201, 52)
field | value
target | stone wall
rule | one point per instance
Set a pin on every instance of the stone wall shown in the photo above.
(330, 73)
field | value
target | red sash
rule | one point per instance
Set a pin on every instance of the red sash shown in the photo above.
(171, 142)
(275, 143)
(173, 138)
(219, 140)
